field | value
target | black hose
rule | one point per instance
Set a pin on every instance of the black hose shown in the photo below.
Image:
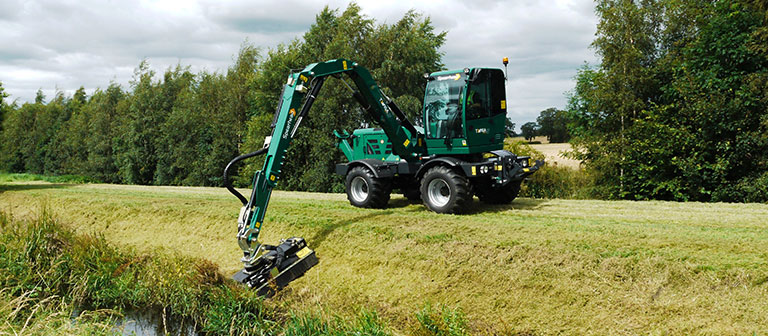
(226, 173)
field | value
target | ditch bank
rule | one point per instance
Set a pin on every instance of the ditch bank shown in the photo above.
(54, 280)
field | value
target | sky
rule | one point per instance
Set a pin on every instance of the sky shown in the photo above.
(61, 45)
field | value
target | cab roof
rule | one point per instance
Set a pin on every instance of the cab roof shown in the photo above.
(452, 72)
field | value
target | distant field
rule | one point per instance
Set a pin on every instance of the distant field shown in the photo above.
(541, 138)
(553, 152)
(534, 267)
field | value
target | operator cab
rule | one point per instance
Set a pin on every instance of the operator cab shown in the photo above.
(465, 111)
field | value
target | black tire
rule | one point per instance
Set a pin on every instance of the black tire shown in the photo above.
(445, 191)
(504, 195)
(364, 190)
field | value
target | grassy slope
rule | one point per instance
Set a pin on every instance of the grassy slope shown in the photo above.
(544, 266)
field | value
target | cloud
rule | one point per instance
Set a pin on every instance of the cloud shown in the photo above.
(546, 42)
(65, 44)
(262, 17)
(9, 9)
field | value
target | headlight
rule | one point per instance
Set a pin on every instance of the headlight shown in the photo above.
(483, 169)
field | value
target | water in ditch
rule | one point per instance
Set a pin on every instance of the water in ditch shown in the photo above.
(153, 322)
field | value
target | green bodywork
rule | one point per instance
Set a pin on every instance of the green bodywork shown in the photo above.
(369, 143)
(464, 113)
(294, 104)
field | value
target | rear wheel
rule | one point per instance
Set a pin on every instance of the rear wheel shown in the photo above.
(445, 191)
(364, 190)
(503, 195)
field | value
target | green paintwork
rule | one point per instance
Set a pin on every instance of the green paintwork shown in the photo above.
(448, 92)
(298, 85)
(372, 143)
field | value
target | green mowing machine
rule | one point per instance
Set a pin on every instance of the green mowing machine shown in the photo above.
(456, 155)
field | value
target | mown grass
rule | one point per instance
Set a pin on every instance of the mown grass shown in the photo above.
(533, 267)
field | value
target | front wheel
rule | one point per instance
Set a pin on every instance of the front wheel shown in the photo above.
(445, 191)
(364, 190)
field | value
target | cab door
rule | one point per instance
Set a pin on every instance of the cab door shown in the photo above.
(486, 109)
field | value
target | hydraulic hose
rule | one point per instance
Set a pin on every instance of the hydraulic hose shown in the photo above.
(236, 160)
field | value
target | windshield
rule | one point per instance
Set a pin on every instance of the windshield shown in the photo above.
(442, 106)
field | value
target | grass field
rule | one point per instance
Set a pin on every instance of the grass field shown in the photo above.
(533, 267)
(553, 152)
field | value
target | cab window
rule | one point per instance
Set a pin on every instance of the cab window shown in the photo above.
(486, 96)
(442, 106)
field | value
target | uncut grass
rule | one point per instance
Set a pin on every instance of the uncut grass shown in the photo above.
(47, 272)
(43, 262)
(23, 315)
(536, 266)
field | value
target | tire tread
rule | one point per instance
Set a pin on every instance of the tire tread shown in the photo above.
(463, 194)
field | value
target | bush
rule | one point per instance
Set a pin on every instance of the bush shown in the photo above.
(557, 182)
(522, 148)
(748, 189)
(551, 181)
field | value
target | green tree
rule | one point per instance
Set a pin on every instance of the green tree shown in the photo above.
(15, 140)
(553, 123)
(104, 109)
(136, 149)
(174, 137)
(397, 55)
(717, 106)
(48, 120)
(4, 107)
(66, 150)
(39, 97)
(676, 108)
(529, 130)
(509, 128)
(229, 123)
(183, 128)
(618, 91)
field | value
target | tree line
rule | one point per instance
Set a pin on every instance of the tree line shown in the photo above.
(552, 123)
(677, 109)
(182, 128)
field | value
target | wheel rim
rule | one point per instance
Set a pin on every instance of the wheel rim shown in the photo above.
(438, 192)
(358, 189)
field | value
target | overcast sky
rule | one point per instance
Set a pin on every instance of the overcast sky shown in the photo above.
(64, 44)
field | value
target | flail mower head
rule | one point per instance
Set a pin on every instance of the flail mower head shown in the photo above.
(277, 266)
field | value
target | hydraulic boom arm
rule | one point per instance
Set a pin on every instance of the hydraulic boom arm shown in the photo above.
(298, 94)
